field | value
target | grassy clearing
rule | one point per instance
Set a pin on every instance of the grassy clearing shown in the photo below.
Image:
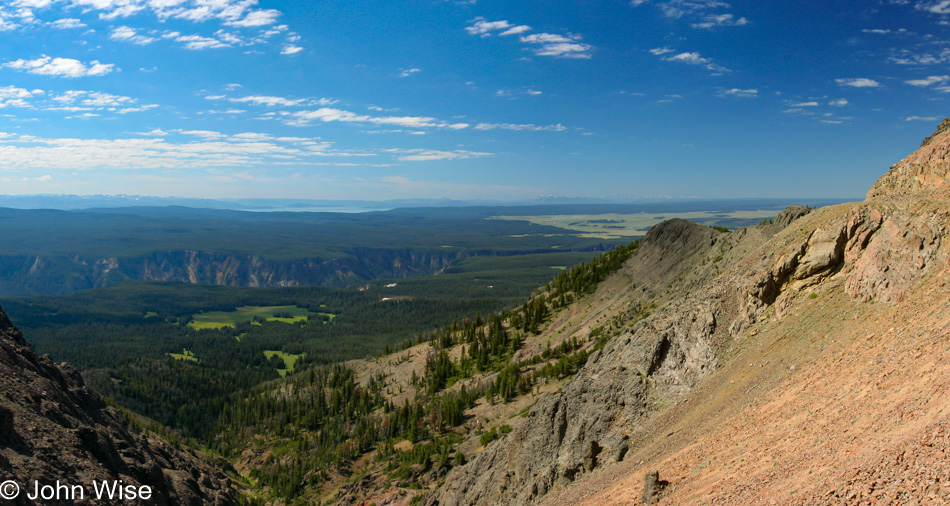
(185, 354)
(615, 225)
(289, 360)
(220, 319)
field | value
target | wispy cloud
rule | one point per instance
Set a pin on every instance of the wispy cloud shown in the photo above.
(929, 81)
(858, 82)
(922, 118)
(520, 127)
(408, 72)
(67, 23)
(11, 96)
(61, 67)
(327, 115)
(562, 46)
(126, 34)
(427, 155)
(541, 44)
(737, 92)
(696, 10)
(719, 20)
(290, 49)
(908, 57)
(941, 7)
(483, 27)
(197, 42)
(690, 58)
(192, 150)
(273, 101)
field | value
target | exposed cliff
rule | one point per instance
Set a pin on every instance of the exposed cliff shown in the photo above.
(721, 293)
(53, 427)
(62, 275)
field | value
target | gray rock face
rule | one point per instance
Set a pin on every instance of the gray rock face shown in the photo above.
(53, 427)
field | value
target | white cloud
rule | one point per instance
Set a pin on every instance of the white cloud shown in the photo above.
(408, 72)
(11, 96)
(907, 57)
(271, 101)
(922, 118)
(82, 100)
(859, 82)
(561, 46)
(515, 30)
(197, 42)
(840, 102)
(256, 18)
(327, 114)
(803, 104)
(550, 44)
(737, 92)
(196, 150)
(67, 23)
(928, 81)
(93, 99)
(126, 34)
(518, 127)
(565, 50)
(290, 49)
(939, 7)
(545, 38)
(425, 155)
(483, 27)
(717, 20)
(61, 67)
(690, 58)
(698, 11)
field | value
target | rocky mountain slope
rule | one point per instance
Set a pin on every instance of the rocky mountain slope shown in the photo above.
(54, 428)
(804, 368)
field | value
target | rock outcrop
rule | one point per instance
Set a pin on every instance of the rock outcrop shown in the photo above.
(922, 175)
(55, 428)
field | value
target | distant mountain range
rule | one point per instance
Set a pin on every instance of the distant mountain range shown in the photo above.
(75, 202)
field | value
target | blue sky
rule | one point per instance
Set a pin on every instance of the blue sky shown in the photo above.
(466, 99)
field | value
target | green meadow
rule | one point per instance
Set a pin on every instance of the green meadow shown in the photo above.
(221, 319)
(290, 361)
(185, 354)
